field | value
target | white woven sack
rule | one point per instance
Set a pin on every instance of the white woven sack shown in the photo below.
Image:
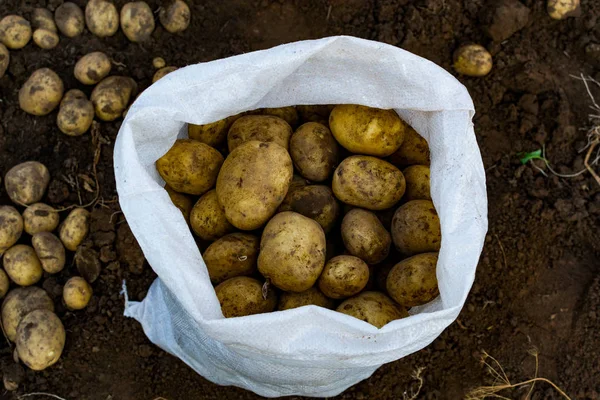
(310, 350)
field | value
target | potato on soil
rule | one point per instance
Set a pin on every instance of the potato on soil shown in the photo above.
(316, 202)
(365, 237)
(344, 276)
(213, 134)
(208, 219)
(27, 182)
(77, 293)
(181, 201)
(264, 128)
(413, 281)
(15, 31)
(288, 114)
(4, 283)
(76, 113)
(4, 59)
(41, 93)
(40, 339)
(241, 296)
(69, 19)
(175, 17)
(42, 18)
(111, 96)
(418, 185)
(11, 227)
(190, 167)
(253, 182)
(101, 18)
(45, 38)
(40, 217)
(92, 68)
(314, 151)
(315, 113)
(158, 62)
(561, 9)
(20, 302)
(230, 256)
(472, 60)
(75, 228)
(292, 252)
(368, 182)
(162, 72)
(310, 297)
(373, 307)
(414, 150)
(50, 251)
(22, 265)
(137, 21)
(416, 228)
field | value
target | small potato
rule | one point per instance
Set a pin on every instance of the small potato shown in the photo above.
(111, 96)
(158, 62)
(15, 31)
(11, 227)
(416, 228)
(253, 182)
(77, 293)
(75, 228)
(42, 18)
(365, 237)
(314, 151)
(162, 72)
(69, 19)
(316, 202)
(40, 217)
(175, 17)
(4, 59)
(418, 186)
(20, 302)
(561, 9)
(414, 150)
(101, 18)
(22, 265)
(230, 256)
(264, 128)
(367, 130)
(310, 297)
(373, 307)
(343, 276)
(137, 21)
(368, 182)
(190, 167)
(472, 60)
(41, 93)
(292, 252)
(40, 339)
(213, 134)
(181, 201)
(207, 218)
(241, 296)
(27, 182)
(4, 283)
(315, 113)
(92, 68)
(50, 251)
(45, 38)
(413, 282)
(288, 114)
(76, 113)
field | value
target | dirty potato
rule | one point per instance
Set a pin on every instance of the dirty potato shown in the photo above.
(472, 60)
(413, 281)
(76, 113)
(42, 18)
(414, 150)
(373, 307)
(27, 182)
(45, 38)
(315, 113)
(264, 128)
(41, 93)
(158, 62)
(162, 72)
(77, 293)
(316, 202)
(40, 217)
(4, 59)
(288, 114)
(314, 151)
(230, 256)
(22, 265)
(561, 9)
(50, 251)
(15, 31)
(418, 186)
(241, 296)
(101, 17)
(365, 237)
(213, 134)
(175, 17)
(111, 96)
(207, 218)
(40, 339)
(69, 19)
(344, 276)
(416, 228)
(75, 228)
(92, 68)
(181, 201)
(310, 297)
(11, 227)
(20, 302)
(137, 21)
(4, 283)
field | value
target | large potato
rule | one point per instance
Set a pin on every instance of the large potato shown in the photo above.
(40, 339)
(190, 167)
(77, 293)
(20, 302)
(414, 150)
(315, 113)
(253, 182)
(137, 21)
(310, 297)
(4, 59)
(368, 182)
(344, 276)
(181, 201)
(4, 283)
(208, 219)
(230, 256)
(50, 251)
(213, 134)
(314, 151)
(26, 183)
(69, 19)
(22, 265)
(418, 186)
(111, 96)
(101, 17)
(40, 217)
(76, 113)
(316, 202)
(365, 237)
(292, 252)
(241, 296)
(372, 307)
(75, 228)
(472, 60)
(264, 128)
(92, 68)
(175, 17)
(45, 38)
(413, 281)
(42, 18)
(11, 227)
(416, 228)
(41, 93)
(15, 31)
(288, 114)
(367, 130)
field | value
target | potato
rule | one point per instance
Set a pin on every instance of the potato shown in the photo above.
(101, 18)
(373, 307)
(69, 19)
(413, 281)
(417, 183)
(472, 60)
(343, 276)
(175, 17)
(40, 339)
(45, 39)
(314, 151)
(11, 227)
(181, 201)
(253, 182)
(76, 113)
(75, 228)
(365, 237)
(230, 256)
(288, 114)
(40, 217)
(50, 251)
(162, 72)
(207, 218)
(414, 150)
(292, 252)
(158, 62)
(27, 182)
(416, 228)
(561, 9)
(92, 68)
(312, 296)
(213, 134)
(77, 293)
(4, 59)
(368, 182)
(20, 302)
(42, 18)
(137, 21)
(41, 93)
(15, 31)
(316, 202)
(22, 265)
(264, 128)
(315, 113)
(241, 296)
(111, 96)
(4, 283)
(190, 167)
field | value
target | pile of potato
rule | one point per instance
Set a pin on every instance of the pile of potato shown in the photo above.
(30, 250)
(299, 206)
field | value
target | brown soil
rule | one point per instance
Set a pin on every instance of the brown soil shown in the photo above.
(538, 281)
